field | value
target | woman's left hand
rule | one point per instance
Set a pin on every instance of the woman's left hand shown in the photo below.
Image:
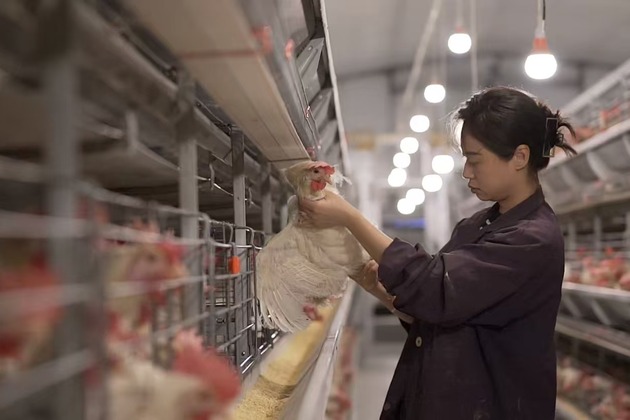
(330, 211)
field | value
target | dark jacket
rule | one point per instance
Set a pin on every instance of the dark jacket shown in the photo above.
(482, 345)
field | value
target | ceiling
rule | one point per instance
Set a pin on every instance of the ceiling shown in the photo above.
(377, 35)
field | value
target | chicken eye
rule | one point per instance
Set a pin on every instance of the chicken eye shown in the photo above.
(316, 171)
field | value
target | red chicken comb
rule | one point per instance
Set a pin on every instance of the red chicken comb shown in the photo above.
(174, 252)
(213, 370)
(328, 169)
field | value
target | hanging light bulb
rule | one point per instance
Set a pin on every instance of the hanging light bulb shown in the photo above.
(416, 196)
(541, 64)
(402, 160)
(443, 164)
(432, 183)
(409, 145)
(434, 93)
(459, 42)
(397, 177)
(420, 123)
(405, 206)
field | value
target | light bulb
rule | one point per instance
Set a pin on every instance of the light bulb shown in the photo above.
(402, 160)
(459, 43)
(541, 64)
(420, 123)
(432, 183)
(443, 164)
(416, 196)
(405, 206)
(397, 177)
(434, 93)
(409, 145)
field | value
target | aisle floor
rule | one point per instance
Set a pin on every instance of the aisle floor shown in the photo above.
(375, 374)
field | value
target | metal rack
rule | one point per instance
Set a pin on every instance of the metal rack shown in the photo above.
(87, 93)
(591, 196)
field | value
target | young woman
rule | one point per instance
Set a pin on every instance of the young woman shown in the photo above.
(481, 343)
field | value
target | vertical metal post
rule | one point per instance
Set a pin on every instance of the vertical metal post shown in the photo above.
(240, 220)
(626, 235)
(60, 81)
(267, 203)
(189, 200)
(598, 236)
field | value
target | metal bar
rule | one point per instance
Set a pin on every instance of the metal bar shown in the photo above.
(416, 68)
(60, 81)
(224, 311)
(129, 289)
(613, 340)
(25, 301)
(44, 376)
(237, 337)
(267, 203)
(189, 199)
(240, 219)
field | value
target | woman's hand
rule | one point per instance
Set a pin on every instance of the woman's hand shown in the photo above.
(368, 278)
(330, 211)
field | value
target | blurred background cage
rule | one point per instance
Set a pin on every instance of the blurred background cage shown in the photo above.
(136, 192)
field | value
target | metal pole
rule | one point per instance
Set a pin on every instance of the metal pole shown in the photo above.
(267, 203)
(189, 200)
(414, 76)
(240, 220)
(474, 65)
(67, 257)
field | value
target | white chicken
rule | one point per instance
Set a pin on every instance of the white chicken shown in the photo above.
(301, 268)
(201, 385)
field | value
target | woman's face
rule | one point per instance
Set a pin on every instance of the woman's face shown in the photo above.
(489, 177)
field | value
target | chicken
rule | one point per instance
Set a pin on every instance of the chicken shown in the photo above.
(23, 336)
(609, 272)
(200, 386)
(220, 380)
(146, 265)
(301, 267)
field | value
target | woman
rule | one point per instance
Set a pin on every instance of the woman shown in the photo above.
(481, 344)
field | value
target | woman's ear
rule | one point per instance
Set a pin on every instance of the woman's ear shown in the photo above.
(521, 157)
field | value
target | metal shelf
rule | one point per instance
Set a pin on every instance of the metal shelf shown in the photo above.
(602, 166)
(608, 306)
(611, 340)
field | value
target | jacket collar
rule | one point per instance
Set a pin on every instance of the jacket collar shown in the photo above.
(471, 231)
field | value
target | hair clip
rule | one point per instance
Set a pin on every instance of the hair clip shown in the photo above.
(551, 137)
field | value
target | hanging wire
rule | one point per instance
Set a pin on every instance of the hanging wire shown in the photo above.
(542, 16)
(459, 14)
(474, 62)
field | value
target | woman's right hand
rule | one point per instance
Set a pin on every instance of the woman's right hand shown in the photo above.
(368, 277)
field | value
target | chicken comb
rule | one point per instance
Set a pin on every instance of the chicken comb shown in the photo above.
(174, 253)
(328, 169)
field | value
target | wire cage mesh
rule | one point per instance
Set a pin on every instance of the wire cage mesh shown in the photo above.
(120, 280)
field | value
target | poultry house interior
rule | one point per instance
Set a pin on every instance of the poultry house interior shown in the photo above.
(192, 195)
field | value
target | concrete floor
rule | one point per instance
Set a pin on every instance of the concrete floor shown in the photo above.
(375, 374)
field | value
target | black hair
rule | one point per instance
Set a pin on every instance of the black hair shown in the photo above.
(503, 118)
